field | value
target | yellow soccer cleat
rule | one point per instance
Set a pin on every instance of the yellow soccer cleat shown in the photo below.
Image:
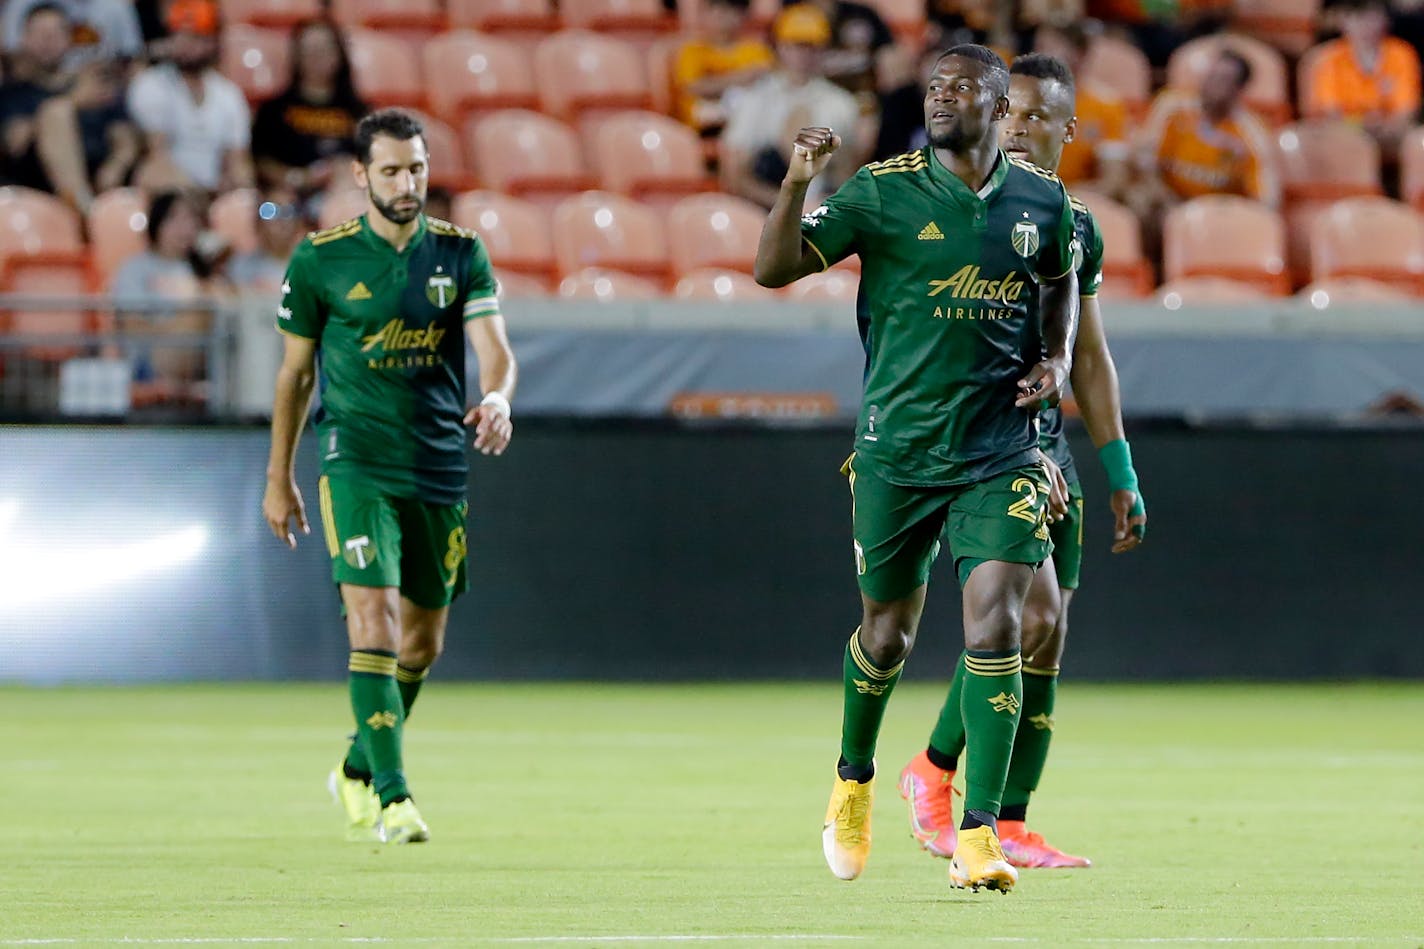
(362, 807)
(979, 861)
(402, 823)
(845, 837)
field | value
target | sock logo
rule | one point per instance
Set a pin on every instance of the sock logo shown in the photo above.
(1004, 702)
(1042, 722)
(381, 720)
(870, 688)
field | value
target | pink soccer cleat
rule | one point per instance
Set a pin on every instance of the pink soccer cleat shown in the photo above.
(930, 793)
(1024, 848)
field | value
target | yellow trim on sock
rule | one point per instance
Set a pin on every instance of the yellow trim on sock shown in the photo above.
(1006, 666)
(865, 665)
(1051, 673)
(371, 664)
(404, 674)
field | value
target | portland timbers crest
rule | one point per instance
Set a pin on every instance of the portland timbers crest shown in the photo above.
(1025, 238)
(440, 288)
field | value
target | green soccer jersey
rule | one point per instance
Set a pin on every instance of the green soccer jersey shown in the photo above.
(1090, 276)
(949, 289)
(389, 328)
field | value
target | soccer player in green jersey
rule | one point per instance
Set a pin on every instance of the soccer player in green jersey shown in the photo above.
(380, 308)
(1039, 123)
(967, 279)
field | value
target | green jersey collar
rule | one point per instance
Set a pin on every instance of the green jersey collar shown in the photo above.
(378, 242)
(956, 184)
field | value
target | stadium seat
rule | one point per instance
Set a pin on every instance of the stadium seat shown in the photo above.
(398, 16)
(689, 15)
(836, 285)
(1122, 67)
(448, 167)
(526, 17)
(1226, 236)
(643, 154)
(257, 59)
(630, 18)
(1288, 25)
(714, 230)
(1411, 168)
(58, 280)
(906, 19)
(1208, 291)
(661, 56)
(600, 229)
(515, 232)
(341, 205)
(1325, 160)
(519, 286)
(382, 68)
(37, 230)
(527, 153)
(467, 72)
(1348, 291)
(1377, 238)
(276, 13)
(118, 229)
(577, 71)
(1268, 92)
(607, 286)
(1305, 78)
(233, 215)
(1126, 272)
(724, 286)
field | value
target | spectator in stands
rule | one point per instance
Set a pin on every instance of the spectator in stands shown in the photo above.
(1100, 156)
(1208, 143)
(36, 74)
(1366, 76)
(196, 120)
(86, 141)
(100, 29)
(1158, 27)
(763, 120)
(707, 70)
(300, 137)
(282, 222)
(860, 41)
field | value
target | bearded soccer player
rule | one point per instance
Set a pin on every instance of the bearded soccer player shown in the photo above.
(384, 304)
(967, 280)
(1039, 123)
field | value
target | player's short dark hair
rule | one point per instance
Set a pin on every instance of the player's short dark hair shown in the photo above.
(392, 123)
(1242, 64)
(998, 69)
(1043, 66)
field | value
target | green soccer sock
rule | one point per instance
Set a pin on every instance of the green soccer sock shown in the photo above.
(1040, 693)
(376, 703)
(947, 739)
(867, 692)
(991, 700)
(408, 681)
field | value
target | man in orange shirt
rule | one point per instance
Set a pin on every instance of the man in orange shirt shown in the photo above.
(725, 58)
(1366, 76)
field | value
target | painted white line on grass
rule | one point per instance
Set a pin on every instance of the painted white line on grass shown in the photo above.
(1194, 940)
(495, 940)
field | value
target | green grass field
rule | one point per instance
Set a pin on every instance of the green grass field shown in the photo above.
(593, 815)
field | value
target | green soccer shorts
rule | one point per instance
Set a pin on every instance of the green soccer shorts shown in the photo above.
(897, 528)
(379, 541)
(1067, 536)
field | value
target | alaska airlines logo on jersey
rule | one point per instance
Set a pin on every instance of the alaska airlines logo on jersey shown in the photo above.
(1025, 238)
(440, 288)
(966, 284)
(403, 347)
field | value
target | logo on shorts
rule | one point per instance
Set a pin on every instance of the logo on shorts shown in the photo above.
(1041, 721)
(1004, 702)
(440, 288)
(1025, 238)
(358, 552)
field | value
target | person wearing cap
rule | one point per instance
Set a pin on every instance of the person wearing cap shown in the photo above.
(796, 93)
(195, 120)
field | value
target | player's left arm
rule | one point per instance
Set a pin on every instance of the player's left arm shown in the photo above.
(499, 373)
(1058, 306)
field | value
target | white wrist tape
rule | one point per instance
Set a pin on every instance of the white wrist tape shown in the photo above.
(498, 402)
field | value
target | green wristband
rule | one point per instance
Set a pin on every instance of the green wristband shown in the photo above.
(1116, 457)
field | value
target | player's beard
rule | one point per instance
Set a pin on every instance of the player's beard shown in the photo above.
(954, 140)
(395, 215)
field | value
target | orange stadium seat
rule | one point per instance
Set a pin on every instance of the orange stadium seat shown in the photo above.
(38, 230)
(1325, 160)
(278, 13)
(233, 215)
(466, 72)
(600, 229)
(527, 153)
(836, 285)
(1376, 238)
(118, 229)
(448, 168)
(1208, 291)
(607, 286)
(382, 67)
(1345, 291)
(714, 230)
(724, 286)
(662, 55)
(340, 205)
(257, 59)
(623, 17)
(1126, 272)
(530, 17)
(519, 286)
(906, 19)
(643, 153)
(1288, 25)
(1267, 93)
(577, 71)
(56, 280)
(515, 232)
(1226, 236)
(1411, 168)
(399, 16)
(1120, 66)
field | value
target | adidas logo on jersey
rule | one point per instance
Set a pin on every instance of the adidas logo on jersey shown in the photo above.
(931, 232)
(358, 292)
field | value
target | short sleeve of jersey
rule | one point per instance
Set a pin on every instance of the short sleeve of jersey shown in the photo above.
(1090, 246)
(1057, 257)
(482, 291)
(301, 312)
(842, 225)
